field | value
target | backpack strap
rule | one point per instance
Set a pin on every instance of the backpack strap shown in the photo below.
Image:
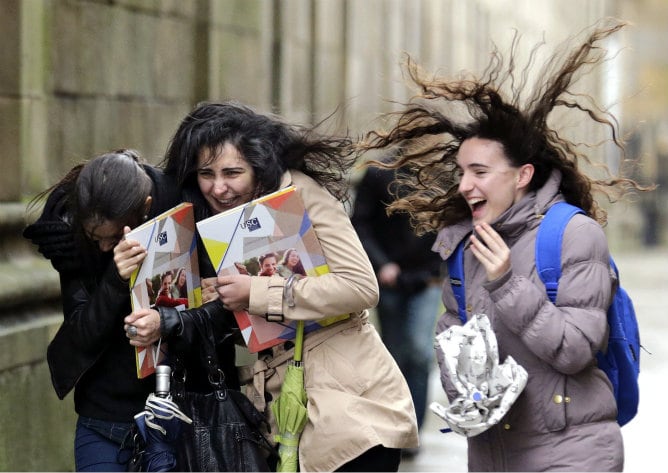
(548, 245)
(455, 264)
(548, 255)
(614, 267)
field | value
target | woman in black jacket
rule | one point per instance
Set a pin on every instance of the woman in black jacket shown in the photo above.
(83, 219)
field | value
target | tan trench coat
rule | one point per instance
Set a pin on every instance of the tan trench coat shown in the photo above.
(357, 397)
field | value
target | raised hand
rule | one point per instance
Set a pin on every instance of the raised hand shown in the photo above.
(128, 255)
(490, 249)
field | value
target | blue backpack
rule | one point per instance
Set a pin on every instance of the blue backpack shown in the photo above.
(621, 361)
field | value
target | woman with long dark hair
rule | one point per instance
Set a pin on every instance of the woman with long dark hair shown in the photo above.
(82, 221)
(488, 165)
(360, 413)
(291, 264)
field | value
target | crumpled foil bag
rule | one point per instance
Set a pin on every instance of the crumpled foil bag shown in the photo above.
(486, 389)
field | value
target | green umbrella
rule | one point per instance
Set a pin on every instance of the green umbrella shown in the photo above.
(289, 408)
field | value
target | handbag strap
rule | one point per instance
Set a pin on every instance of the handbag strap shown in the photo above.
(209, 358)
(216, 377)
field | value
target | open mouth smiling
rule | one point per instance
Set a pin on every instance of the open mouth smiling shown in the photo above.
(229, 202)
(476, 204)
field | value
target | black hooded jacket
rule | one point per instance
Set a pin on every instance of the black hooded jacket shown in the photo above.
(90, 351)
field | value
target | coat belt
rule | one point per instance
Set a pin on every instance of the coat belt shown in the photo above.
(255, 375)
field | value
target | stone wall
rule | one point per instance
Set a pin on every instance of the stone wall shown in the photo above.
(80, 77)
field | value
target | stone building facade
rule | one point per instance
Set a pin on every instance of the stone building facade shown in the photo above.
(79, 77)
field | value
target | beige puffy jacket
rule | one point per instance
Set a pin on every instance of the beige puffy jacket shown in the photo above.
(565, 419)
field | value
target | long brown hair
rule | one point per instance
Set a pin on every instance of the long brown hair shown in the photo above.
(446, 112)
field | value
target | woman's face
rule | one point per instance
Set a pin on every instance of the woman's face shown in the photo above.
(227, 180)
(488, 182)
(105, 235)
(268, 266)
(166, 282)
(293, 259)
(182, 279)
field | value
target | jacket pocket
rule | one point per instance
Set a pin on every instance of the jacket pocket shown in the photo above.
(541, 407)
(335, 368)
(554, 401)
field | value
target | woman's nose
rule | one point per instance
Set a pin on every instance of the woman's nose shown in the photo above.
(464, 184)
(220, 186)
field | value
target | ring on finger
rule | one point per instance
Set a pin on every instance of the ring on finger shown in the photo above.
(132, 331)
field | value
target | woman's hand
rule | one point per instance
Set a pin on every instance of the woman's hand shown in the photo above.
(388, 274)
(209, 289)
(241, 268)
(146, 322)
(490, 249)
(234, 291)
(128, 255)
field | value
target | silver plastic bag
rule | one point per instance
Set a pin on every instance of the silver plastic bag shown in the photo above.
(486, 389)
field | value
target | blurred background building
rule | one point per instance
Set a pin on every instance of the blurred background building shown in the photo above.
(79, 77)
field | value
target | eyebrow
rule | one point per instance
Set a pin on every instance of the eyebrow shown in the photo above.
(230, 168)
(475, 166)
(91, 235)
(96, 237)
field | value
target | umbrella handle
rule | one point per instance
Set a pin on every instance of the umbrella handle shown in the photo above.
(299, 340)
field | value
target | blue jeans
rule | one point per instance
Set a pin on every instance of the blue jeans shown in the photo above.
(101, 445)
(407, 324)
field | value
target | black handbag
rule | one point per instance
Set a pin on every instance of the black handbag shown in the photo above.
(227, 431)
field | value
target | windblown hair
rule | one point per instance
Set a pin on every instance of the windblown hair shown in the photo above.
(270, 145)
(430, 129)
(98, 190)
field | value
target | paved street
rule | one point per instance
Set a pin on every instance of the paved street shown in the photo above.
(645, 276)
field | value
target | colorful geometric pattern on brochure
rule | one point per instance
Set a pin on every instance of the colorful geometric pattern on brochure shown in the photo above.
(168, 276)
(236, 241)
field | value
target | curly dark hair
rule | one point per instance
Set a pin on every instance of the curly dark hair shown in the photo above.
(429, 131)
(269, 144)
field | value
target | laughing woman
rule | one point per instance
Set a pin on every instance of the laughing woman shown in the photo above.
(486, 179)
(360, 412)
